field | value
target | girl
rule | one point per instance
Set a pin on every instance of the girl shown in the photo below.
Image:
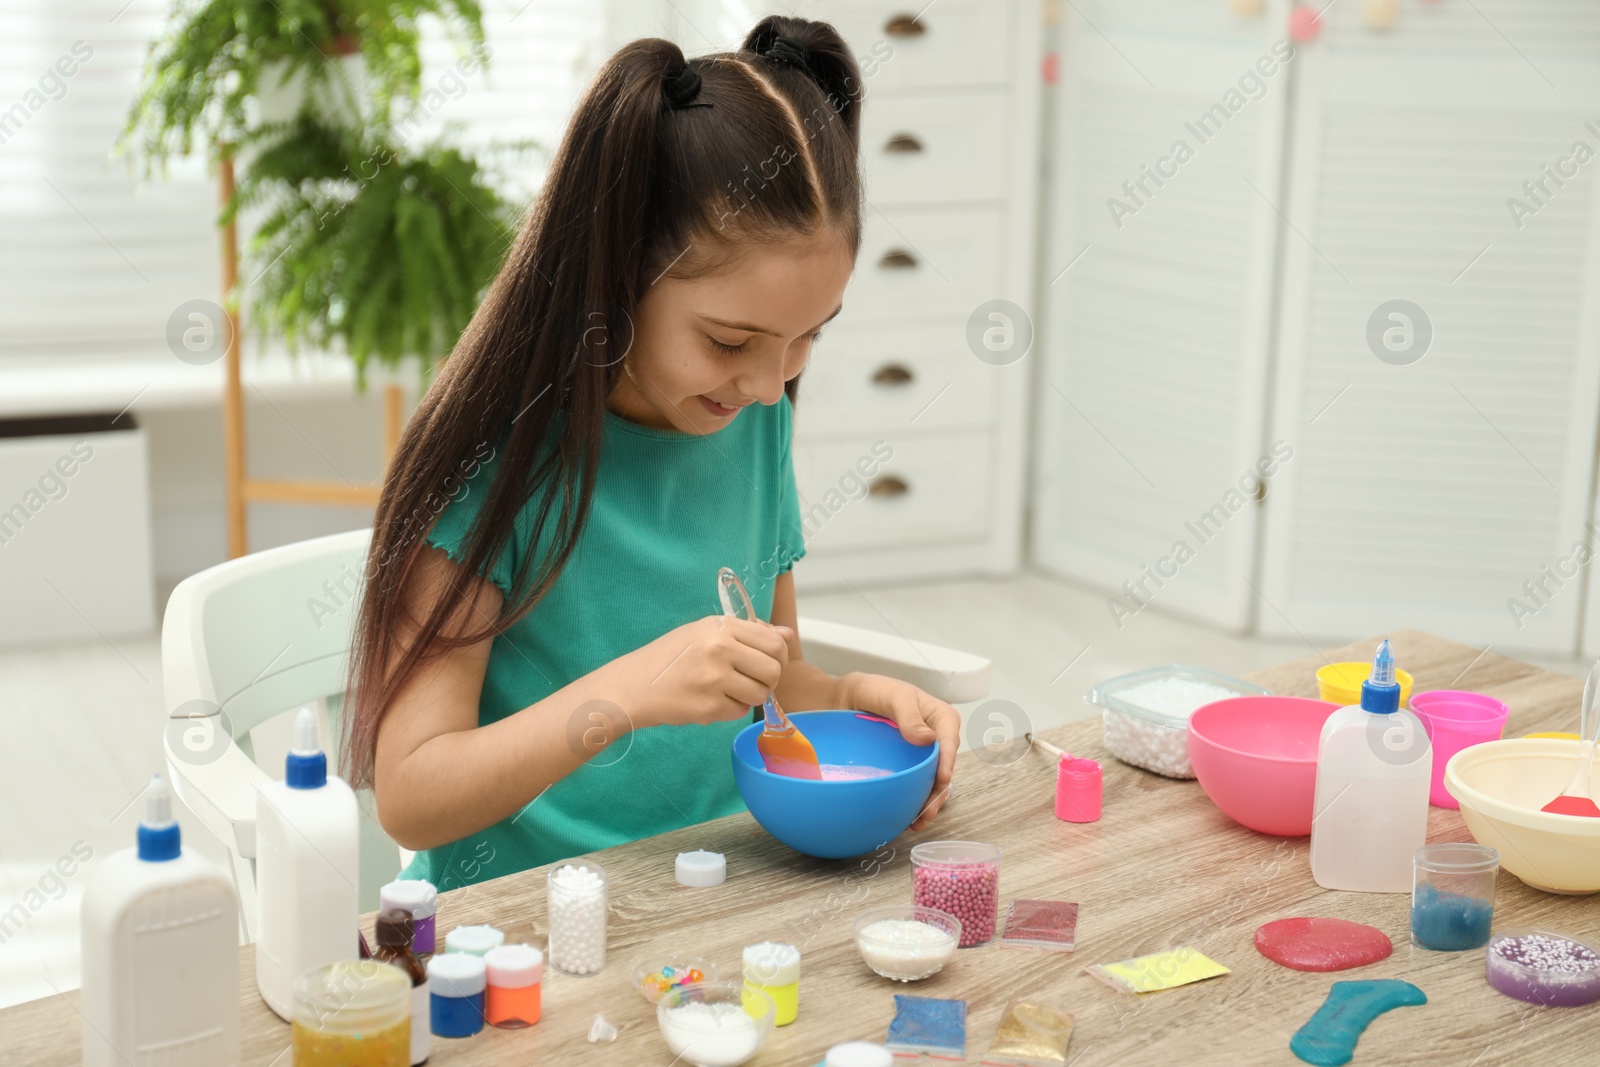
(540, 667)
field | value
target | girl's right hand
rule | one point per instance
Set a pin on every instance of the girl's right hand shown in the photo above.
(711, 670)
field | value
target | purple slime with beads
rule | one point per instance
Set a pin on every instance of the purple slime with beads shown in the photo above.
(1543, 968)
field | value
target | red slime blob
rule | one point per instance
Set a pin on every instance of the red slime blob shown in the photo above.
(1322, 944)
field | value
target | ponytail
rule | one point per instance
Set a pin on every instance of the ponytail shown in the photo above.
(816, 50)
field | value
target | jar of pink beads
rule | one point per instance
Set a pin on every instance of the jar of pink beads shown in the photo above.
(960, 878)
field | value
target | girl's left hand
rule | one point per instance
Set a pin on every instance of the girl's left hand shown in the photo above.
(922, 719)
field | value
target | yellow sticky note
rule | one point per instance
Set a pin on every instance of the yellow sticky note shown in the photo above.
(1159, 970)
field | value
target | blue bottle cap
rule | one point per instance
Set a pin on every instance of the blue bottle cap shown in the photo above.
(159, 838)
(307, 766)
(1379, 693)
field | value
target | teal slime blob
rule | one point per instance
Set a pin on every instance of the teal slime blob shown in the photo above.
(1329, 1037)
(1450, 922)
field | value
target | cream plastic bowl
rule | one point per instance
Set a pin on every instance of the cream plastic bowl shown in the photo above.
(1501, 785)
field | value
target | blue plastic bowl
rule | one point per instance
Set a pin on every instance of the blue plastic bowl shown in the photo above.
(835, 820)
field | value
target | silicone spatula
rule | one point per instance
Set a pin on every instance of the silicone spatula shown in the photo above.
(1576, 799)
(784, 749)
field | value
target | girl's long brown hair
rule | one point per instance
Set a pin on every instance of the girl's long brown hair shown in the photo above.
(651, 178)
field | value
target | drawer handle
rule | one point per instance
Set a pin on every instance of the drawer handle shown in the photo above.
(897, 259)
(888, 486)
(892, 374)
(904, 26)
(902, 142)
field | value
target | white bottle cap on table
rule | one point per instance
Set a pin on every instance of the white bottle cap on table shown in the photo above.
(514, 966)
(457, 974)
(701, 869)
(473, 940)
(859, 1054)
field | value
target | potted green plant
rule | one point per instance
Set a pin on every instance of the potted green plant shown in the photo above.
(368, 246)
(366, 242)
(214, 58)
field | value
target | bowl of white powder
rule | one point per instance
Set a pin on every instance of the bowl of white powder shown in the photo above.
(1145, 715)
(907, 944)
(714, 1024)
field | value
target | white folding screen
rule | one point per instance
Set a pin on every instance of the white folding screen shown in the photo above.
(1156, 299)
(1436, 492)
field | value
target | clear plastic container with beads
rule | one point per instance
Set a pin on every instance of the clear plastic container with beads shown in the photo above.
(576, 892)
(1543, 967)
(1145, 715)
(960, 878)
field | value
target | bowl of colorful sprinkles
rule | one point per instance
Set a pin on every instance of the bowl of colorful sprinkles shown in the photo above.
(907, 944)
(657, 975)
(1541, 967)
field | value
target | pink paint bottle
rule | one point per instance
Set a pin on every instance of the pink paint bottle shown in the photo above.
(1078, 790)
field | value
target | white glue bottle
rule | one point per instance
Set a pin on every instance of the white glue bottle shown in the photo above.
(160, 933)
(307, 870)
(1374, 763)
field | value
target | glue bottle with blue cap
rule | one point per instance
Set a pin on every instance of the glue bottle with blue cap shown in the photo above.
(143, 909)
(307, 844)
(1374, 769)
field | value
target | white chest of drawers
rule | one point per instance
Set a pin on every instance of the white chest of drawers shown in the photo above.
(950, 156)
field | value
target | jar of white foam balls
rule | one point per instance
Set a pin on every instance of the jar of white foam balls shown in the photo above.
(575, 892)
(1146, 714)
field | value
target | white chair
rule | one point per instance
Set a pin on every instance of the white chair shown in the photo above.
(254, 637)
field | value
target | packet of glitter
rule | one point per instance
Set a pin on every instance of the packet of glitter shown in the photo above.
(1030, 1034)
(1159, 970)
(1046, 924)
(928, 1026)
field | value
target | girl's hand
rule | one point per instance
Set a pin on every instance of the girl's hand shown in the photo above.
(922, 719)
(710, 670)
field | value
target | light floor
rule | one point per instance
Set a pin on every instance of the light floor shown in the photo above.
(82, 727)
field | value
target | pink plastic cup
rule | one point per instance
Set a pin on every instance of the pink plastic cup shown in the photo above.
(1456, 719)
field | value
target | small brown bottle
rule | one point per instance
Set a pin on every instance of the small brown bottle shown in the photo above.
(394, 932)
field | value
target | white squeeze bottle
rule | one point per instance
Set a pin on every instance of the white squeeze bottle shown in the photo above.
(307, 870)
(1374, 763)
(160, 933)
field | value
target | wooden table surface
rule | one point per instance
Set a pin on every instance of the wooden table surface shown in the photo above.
(1163, 868)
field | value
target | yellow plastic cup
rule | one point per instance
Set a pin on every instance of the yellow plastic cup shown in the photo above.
(1557, 733)
(1340, 683)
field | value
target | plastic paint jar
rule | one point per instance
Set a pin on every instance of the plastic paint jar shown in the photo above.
(576, 903)
(515, 975)
(960, 878)
(1078, 790)
(774, 968)
(473, 940)
(422, 901)
(354, 1013)
(457, 981)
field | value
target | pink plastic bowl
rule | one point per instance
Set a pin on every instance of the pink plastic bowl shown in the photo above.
(1256, 758)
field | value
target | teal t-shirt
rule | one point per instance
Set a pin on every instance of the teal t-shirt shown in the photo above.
(669, 510)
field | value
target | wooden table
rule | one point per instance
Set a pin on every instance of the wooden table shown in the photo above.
(1162, 868)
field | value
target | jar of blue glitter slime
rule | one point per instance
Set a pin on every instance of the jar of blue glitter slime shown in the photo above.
(1452, 895)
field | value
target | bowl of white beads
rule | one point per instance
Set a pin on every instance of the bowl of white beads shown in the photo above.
(907, 944)
(1145, 715)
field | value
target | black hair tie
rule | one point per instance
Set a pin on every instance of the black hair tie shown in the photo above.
(681, 89)
(789, 51)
